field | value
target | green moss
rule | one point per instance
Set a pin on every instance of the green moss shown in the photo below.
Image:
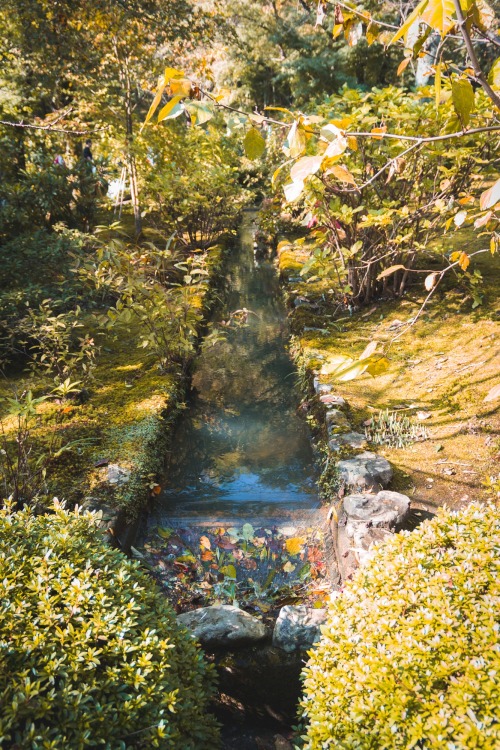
(127, 417)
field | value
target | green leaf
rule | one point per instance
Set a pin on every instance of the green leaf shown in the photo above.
(200, 112)
(229, 571)
(254, 144)
(463, 99)
(494, 74)
(248, 532)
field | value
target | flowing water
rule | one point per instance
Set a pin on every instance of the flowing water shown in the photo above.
(241, 453)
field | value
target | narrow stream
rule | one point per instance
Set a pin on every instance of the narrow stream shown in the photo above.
(241, 453)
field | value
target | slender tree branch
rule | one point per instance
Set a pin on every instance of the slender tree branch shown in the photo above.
(428, 139)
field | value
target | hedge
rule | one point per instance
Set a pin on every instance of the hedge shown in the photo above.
(410, 653)
(90, 653)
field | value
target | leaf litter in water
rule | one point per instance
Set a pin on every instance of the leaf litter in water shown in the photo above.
(259, 568)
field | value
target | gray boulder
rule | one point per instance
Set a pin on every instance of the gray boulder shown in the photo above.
(116, 474)
(331, 401)
(347, 440)
(222, 625)
(365, 471)
(298, 628)
(368, 519)
(336, 418)
(385, 509)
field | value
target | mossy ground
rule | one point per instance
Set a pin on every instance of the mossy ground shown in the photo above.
(123, 419)
(444, 365)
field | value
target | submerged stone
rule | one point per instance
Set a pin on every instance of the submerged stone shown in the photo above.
(298, 627)
(222, 625)
(367, 470)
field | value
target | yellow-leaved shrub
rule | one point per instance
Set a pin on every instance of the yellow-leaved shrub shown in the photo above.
(410, 653)
(90, 653)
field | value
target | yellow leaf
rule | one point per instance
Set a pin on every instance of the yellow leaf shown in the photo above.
(294, 545)
(342, 174)
(389, 271)
(431, 281)
(455, 256)
(156, 100)
(377, 366)
(462, 95)
(494, 75)
(172, 73)
(293, 191)
(229, 571)
(403, 30)
(437, 84)
(337, 30)
(288, 567)
(372, 33)
(304, 167)
(403, 65)
(439, 15)
(464, 261)
(254, 144)
(493, 394)
(296, 141)
(379, 130)
(180, 87)
(493, 244)
(166, 111)
(205, 542)
(352, 142)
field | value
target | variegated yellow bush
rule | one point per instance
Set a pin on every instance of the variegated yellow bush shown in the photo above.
(410, 654)
(90, 654)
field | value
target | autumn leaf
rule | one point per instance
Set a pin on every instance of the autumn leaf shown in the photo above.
(288, 567)
(464, 261)
(205, 542)
(207, 555)
(294, 545)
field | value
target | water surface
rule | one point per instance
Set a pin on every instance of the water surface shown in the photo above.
(242, 453)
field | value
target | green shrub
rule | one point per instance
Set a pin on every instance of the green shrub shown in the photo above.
(90, 654)
(410, 654)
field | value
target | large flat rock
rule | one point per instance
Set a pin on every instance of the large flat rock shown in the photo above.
(385, 509)
(223, 625)
(341, 440)
(366, 471)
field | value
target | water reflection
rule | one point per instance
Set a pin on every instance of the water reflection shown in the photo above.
(241, 451)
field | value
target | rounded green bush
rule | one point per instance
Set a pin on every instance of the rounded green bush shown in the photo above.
(90, 653)
(410, 653)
